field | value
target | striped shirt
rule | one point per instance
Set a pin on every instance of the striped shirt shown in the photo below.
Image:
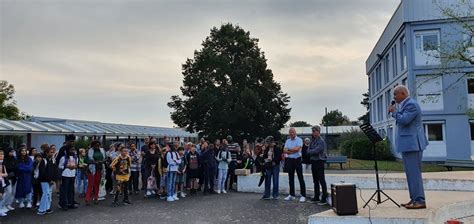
(234, 150)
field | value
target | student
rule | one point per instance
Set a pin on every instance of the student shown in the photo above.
(174, 161)
(152, 156)
(192, 159)
(24, 185)
(272, 157)
(10, 164)
(134, 169)
(3, 185)
(81, 177)
(95, 166)
(47, 175)
(36, 183)
(208, 167)
(181, 176)
(121, 168)
(223, 157)
(68, 165)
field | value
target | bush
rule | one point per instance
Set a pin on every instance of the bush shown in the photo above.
(356, 145)
(82, 143)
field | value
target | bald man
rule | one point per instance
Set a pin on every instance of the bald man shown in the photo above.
(410, 142)
(293, 146)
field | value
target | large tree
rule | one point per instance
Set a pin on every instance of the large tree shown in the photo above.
(8, 108)
(335, 118)
(228, 89)
(300, 124)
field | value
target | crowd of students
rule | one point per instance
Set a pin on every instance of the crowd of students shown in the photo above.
(167, 171)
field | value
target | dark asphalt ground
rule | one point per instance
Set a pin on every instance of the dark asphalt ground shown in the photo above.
(229, 208)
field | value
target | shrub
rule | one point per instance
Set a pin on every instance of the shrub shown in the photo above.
(356, 145)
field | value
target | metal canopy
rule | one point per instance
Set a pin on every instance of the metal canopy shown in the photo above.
(39, 125)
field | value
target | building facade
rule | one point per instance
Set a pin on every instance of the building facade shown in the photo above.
(408, 53)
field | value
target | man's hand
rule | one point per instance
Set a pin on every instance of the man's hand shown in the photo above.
(392, 108)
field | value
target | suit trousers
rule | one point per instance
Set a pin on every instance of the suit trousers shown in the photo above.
(412, 164)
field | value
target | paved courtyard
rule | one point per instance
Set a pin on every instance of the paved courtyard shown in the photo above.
(230, 208)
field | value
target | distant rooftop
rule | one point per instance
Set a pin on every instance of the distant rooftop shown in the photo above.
(45, 125)
(332, 130)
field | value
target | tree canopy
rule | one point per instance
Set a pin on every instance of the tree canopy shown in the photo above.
(334, 118)
(228, 89)
(8, 108)
(300, 124)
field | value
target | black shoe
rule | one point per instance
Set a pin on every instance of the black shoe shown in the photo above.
(323, 202)
(49, 211)
(265, 198)
(127, 202)
(315, 200)
(212, 192)
(64, 208)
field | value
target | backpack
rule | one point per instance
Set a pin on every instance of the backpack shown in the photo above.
(193, 162)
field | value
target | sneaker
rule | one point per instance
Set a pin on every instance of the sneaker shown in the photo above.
(265, 198)
(323, 202)
(170, 199)
(218, 191)
(289, 198)
(29, 205)
(183, 195)
(112, 193)
(148, 193)
(22, 205)
(275, 198)
(3, 214)
(9, 207)
(302, 199)
(41, 213)
(127, 202)
(49, 211)
(223, 191)
(4, 210)
(175, 197)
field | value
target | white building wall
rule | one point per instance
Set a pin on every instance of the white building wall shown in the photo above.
(38, 139)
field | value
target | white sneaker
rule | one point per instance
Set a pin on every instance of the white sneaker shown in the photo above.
(3, 214)
(223, 191)
(170, 199)
(183, 195)
(175, 197)
(148, 193)
(4, 210)
(9, 207)
(289, 198)
(22, 205)
(302, 199)
(29, 205)
(218, 191)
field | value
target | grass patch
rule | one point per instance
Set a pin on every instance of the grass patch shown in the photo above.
(356, 164)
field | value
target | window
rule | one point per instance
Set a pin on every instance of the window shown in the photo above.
(388, 100)
(374, 87)
(472, 131)
(394, 61)
(404, 81)
(372, 112)
(426, 48)
(380, 108)
(434, 132)
(370, 86)
(429, 89)
(378, 76)
(403, 53)
(386, 69)
(470, 92)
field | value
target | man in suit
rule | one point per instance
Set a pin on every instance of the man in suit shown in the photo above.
(410, 142)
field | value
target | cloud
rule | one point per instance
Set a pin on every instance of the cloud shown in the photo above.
(120, 61)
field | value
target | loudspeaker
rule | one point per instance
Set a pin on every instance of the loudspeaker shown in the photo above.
(344, 199)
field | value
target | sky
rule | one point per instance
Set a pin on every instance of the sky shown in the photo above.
(120, 61)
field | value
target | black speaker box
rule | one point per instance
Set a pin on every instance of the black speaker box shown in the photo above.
(344, 199)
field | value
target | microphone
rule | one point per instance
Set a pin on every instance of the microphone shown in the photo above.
(393, 103)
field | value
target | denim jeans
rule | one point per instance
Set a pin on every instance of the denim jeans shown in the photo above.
(81, 181)
(221, 179)
(9, 195)
(45, 202)
(274, 173)
(171, 177)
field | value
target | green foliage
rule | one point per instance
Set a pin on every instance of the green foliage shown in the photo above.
(356, 145)
(82, 143)
(300, 124)
(228, 89)
(365, 102)
(8, 108)
(335, 118)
